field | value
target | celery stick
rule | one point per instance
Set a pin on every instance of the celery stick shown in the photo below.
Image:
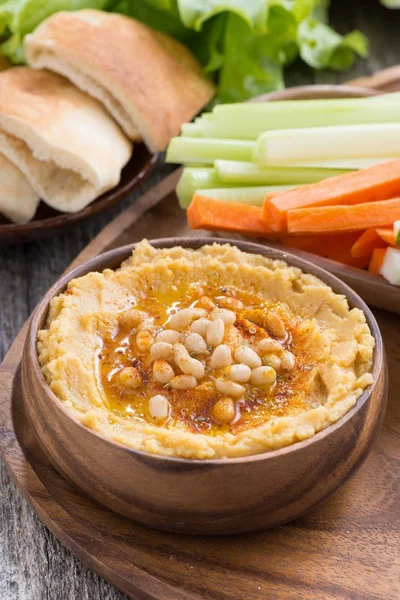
(346, 163)
(396, 228)
(246, 195)
(251, 174)
(291, 146)
(392, 97)
(193, 179)
(193, 130)
(204, 117)
(247, 121)
(187, 149)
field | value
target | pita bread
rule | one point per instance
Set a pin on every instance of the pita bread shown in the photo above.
(64, 141)
(18, 201)
(149, 82)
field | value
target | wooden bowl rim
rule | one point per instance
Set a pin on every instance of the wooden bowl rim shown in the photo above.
(316, 92)
(25, 231)
(114, 258)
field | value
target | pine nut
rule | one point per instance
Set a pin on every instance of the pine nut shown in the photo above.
(288, 361)
(146, 325)
(239, 373)
(272, 360)
(162, 371)
(230, 388)
(180, 354)
(263, 376)
(168, 335)
(200, 326)
(215, 332)
(181, 319)
(199, 313)
(187, 364)
(194, 342)
(159, 407)
(269, 346)
(183, 382)
(206, 303)
(224, 410)
(247, 356)
(232, 303)
(144, 340)
(162, 350)
(275, 325)
(227, 316)
(130, 378)
(221, 357)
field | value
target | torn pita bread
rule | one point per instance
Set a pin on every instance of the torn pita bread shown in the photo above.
(149, 82)
(18, 201)
(64, 141)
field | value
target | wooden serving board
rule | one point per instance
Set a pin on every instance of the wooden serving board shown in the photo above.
(347, 548)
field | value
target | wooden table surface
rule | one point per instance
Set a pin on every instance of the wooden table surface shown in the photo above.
(33, 564)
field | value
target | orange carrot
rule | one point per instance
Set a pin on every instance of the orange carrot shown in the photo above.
(320, 244)
(378, 256)
(343, 218)
(378, 182)
(336, 247)
(366, 244)
(213, 215)
(387, 235)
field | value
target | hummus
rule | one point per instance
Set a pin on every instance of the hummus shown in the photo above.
(208, 353)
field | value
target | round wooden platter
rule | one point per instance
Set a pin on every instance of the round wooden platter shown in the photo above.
(347, 548)
(47, 220)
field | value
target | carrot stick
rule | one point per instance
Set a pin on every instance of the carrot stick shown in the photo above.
(366, 244)
(375, 183)
(387, 235)
(213, 215)
(378, 256)
(336, 247)
(320, 243)
(343, 218)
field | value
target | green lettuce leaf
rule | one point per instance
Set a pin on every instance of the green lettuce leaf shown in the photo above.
(19, 17)
(246, 44)
(243, 44)
(321, 47)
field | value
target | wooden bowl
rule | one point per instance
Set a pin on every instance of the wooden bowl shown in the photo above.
(203, 496)
(48, 221)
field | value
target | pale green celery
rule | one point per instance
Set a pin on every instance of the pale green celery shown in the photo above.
(396, 228)
(193, 179)
(246, 121)
(246, 173)
(246, 195)
(199, 150)
(192, 130)
(199, 127)
(392, 97)
(352, 164)
(205, 117)
(320, 144)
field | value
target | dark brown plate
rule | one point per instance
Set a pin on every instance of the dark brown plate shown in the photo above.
(47, 220)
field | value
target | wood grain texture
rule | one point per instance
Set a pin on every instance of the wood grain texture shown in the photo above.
(34, 565)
